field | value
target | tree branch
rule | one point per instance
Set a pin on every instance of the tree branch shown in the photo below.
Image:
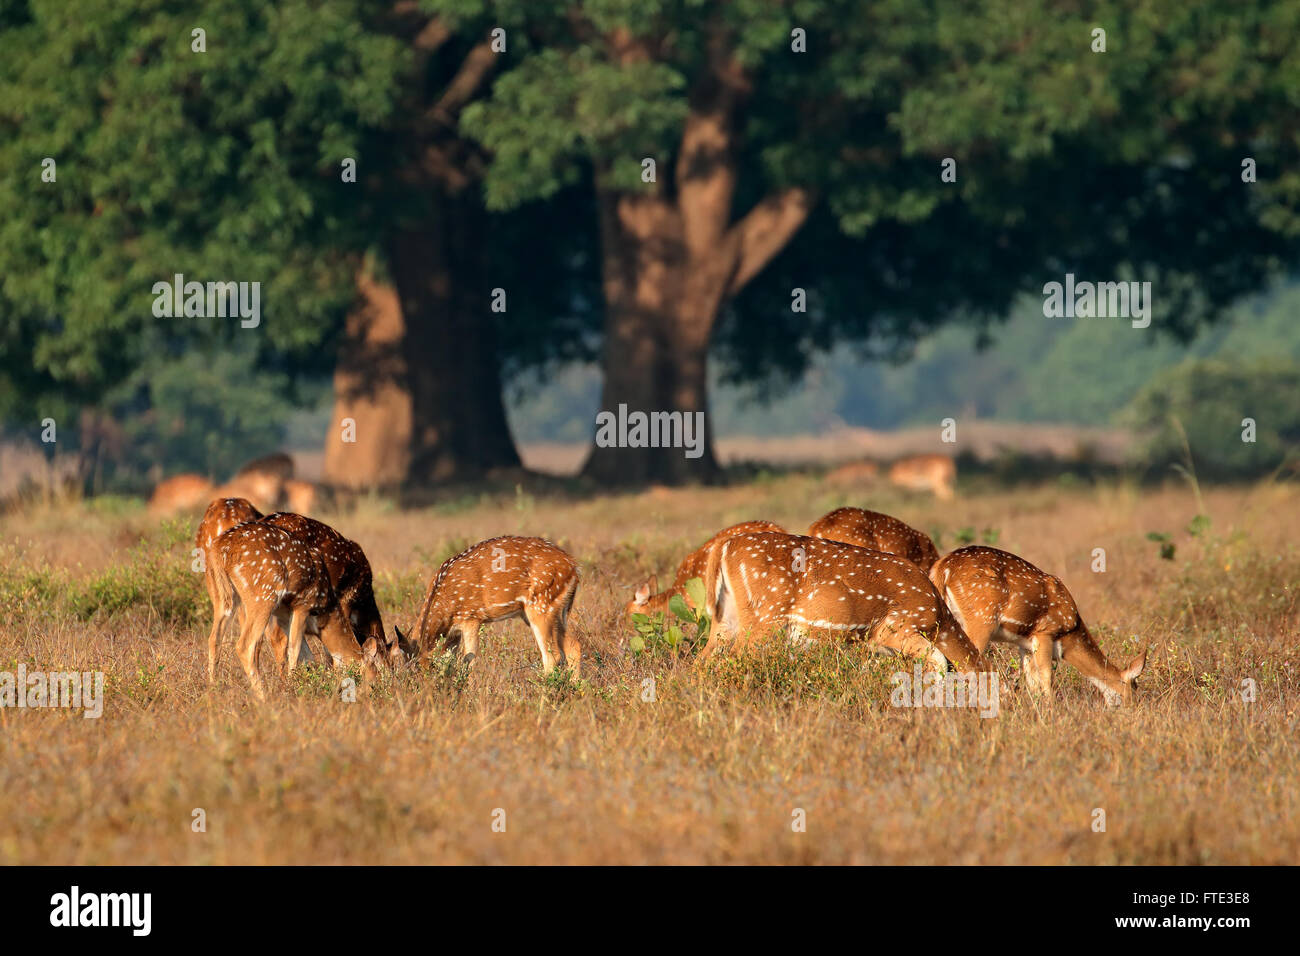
(765, 231)
(469, 79)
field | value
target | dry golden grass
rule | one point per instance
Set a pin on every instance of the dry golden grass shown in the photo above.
(712, 770)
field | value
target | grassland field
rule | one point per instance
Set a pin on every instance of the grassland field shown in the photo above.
(716, 766)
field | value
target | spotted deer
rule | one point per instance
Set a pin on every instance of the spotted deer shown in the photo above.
(496, 580)
(646, 601)
(268, 573)
(349, 574)
(758, 583)
(877, 532)
(998, 596)
(222, 515)
(936, 474)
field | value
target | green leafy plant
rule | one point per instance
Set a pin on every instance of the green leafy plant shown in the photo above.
(1166, 541)
(657, 632)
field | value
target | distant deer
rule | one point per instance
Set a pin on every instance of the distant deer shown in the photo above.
(998, 596)
(350, 577)
(877, 532)
(934, 473)
(759, 583)
(646, 601)
(271, 574)
(261, 481)
(499, 579)
(179, 493)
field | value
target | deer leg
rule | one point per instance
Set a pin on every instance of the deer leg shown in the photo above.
(979, 627)
(469, 640)
(542, 630)
(569, 643)
(220, 615)
(250, 637)
(1039, 659)
(297, 626)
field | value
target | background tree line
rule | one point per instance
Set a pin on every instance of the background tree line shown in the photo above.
(504, 146)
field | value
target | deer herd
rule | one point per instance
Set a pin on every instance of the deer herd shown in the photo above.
(856, 576)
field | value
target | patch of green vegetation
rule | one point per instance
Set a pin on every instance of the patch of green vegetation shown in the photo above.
(815, 671)
(161, 581)
(657, 635)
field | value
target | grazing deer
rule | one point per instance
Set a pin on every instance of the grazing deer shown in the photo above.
(758, 583)
(499, 579)
(877, 532)
(646, 601)
(222, 515)
(179, 493)
(934, 473)
(271, 574)
(349, 574)
(1000, 597)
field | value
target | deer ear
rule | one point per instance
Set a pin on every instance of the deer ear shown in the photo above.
(370, 649)
(403, 644)
(1131, 672)
(645, 590)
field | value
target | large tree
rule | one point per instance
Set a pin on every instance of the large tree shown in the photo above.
(815, 134)
(136, 149)
(224, 158)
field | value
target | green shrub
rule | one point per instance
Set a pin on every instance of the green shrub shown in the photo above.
(1208, 400)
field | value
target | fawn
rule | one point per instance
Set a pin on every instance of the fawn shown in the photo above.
(646, 601)
(998, 596)
(271, 574)
(761, 582)
(877, 532)
(499, 579)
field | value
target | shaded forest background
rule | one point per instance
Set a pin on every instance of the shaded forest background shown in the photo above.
(658, 188)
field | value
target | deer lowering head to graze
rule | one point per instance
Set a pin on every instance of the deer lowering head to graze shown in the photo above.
(270, 574)
(495, 580)
(877, 532)
(998, 596)
(936, 474)
(814, 588)
(349, 574)
(646, 601)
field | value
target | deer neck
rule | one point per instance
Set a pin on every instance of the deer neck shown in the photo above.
(433, 623)
(1083, 653)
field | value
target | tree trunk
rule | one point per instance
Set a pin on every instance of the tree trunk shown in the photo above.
(662, 302)
(458, 427)
(368, 443)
